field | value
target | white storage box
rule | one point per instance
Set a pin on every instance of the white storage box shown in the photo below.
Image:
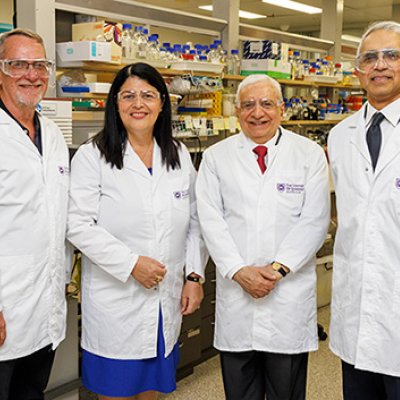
(99, 87)
(201, 66)
(106, 31)
(274, 68)
(72, 54)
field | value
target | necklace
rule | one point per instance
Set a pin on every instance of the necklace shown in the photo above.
(147, 155)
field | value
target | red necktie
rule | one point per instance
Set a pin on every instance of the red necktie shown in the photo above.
(261, 152)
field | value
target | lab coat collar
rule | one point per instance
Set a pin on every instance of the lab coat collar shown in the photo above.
(245, 145)
(356, 125)
(16, 132)
(391, 113)
(392, 148)
(133, 162)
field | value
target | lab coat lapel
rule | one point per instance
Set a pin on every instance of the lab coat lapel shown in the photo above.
(132, 162)
(390, 150)
(246, 158)
(357, 134)
(158, 168)
(15, 132)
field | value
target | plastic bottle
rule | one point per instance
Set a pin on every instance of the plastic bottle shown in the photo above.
(153, 51)
(331, 65)
(296, 109)
(126, 41)
(297, 66)
(325, 68)
(306, 68)
(213, 55)
(220, 50)
(142, 44)
(177, 50)
(233, 63)
(338, 72)
(135, 40)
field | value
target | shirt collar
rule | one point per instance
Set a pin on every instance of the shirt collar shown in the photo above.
(391, 112)
(251, 144)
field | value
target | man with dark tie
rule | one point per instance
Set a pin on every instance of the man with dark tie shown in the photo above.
(364, 151)
(263, 204)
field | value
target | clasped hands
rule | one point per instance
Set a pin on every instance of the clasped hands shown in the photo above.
(258, 282)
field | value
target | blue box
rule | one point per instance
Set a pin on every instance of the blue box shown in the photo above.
(261, 50)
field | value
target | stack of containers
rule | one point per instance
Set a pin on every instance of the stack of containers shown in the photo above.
(265, 57)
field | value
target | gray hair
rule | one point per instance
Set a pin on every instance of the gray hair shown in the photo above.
(379, 26)
(19, 32)
(251, 79)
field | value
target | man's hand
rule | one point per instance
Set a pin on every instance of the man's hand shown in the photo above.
(3, 332)
(192, 296)
(256, 281)
(148, 272)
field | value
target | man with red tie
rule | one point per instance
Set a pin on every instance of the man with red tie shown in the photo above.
(263, 203)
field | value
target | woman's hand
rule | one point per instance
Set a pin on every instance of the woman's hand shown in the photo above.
(2, 329)
(148, 272)
(192, 296)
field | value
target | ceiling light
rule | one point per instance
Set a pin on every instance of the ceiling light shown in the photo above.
(242, 14)
(294, 5)
(351, 38)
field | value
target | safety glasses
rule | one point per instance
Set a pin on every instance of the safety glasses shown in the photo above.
(19, 68)
(367, 61)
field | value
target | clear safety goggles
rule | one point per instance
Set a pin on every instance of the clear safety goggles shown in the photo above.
(19, 68)
(368, 60)
(130, 96)
(265, 104)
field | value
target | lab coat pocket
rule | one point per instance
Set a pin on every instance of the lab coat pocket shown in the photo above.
(395, 196)
(228, 291)
(174, 279)
(289, 187)
(341, 280)
(16, 278)
(396, 295)
(110, 293)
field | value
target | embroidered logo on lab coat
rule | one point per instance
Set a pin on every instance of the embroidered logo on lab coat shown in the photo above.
(63, 170)
(397, 183)
(181, 194)
(290, 188)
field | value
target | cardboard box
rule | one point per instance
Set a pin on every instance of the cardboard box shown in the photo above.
(72, 54)
(101, 31)
(261, 50)
(274, 68)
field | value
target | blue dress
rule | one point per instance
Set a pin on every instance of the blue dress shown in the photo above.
(124, 378)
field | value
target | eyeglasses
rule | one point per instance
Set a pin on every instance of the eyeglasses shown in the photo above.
(368, 60)
(130, 96)
(266, 104)
(19, 68)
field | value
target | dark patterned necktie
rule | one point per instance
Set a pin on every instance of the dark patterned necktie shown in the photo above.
(374, 137)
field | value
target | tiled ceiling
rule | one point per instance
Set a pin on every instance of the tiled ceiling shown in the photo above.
(356, 16)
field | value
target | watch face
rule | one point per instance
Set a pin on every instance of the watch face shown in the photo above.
(276, 266)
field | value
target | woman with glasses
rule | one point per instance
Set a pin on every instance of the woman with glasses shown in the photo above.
(133, 216)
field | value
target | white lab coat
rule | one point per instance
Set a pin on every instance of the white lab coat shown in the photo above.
(115, 216)
(252, 219)
(365, 310)
(33, 208)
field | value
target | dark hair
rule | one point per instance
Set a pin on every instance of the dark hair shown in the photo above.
(112, 139)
